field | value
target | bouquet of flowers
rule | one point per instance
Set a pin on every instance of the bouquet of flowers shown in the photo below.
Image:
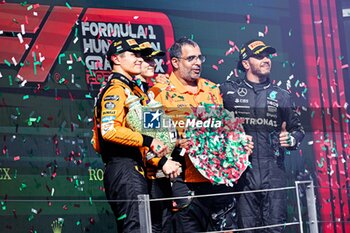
(217, 144)
(134, 120)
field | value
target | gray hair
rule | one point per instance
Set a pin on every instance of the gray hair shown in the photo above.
(176, 49)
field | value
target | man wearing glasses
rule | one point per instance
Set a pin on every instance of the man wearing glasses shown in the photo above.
(270, 118)
(184, 90)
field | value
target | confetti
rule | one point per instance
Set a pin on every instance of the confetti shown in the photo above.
(266, 30)
(14, 61)
(247, 19)
(7, 63)
(23, 31)
(345, 66)
(67, 4)
(19, 35)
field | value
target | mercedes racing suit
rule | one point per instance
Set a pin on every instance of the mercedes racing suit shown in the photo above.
(263, 107)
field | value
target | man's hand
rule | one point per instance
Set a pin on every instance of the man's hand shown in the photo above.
(286, 139)
(250, 144)
(171, 168)
(183, 143)
(162, 78)
(158, 148)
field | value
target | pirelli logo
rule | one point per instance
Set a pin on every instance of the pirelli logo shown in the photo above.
(255, 44)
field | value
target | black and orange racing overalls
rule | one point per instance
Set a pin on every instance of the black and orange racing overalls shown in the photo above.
(122, 150)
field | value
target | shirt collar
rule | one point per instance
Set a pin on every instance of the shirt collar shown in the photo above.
(181, 88)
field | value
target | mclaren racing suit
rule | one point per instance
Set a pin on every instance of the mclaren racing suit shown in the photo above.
(122, 151)
(263, 107)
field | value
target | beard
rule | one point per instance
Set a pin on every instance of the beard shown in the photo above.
(259, 73)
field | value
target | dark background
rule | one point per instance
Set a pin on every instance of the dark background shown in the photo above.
(59, 142)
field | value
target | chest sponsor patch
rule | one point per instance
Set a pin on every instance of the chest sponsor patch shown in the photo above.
(242, 91)
(245, 101)
(109, 105)
(107, 119)
(273, 95)
(272, 109)
(105, 127)
(108, 112)
(111, 97)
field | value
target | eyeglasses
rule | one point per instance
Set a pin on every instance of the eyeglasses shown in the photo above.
(260, 56)
(193, 58)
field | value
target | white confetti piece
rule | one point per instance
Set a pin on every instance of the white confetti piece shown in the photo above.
(19, 35)
(23, 29)
(261, 34)
(23, 83)
(41, 58)
(20, 77)
(14, 61)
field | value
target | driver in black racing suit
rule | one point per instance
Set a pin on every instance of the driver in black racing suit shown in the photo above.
(270, 118)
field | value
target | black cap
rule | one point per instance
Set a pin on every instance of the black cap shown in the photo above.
(154, 53)
(253, 47)
(125, 44)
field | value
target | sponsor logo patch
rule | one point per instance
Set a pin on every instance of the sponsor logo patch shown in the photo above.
(109, 105)
(108, 112)
(107, 119)
(111, 97)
